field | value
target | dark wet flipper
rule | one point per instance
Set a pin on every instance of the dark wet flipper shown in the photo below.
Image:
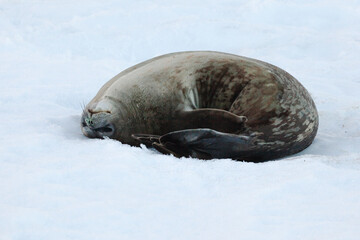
(208, 144)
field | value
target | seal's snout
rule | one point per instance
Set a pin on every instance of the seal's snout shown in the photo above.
(97, 125)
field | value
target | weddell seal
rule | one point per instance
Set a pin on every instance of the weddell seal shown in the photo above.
(205, 105)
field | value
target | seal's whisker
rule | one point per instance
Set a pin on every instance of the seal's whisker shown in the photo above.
(82, 105)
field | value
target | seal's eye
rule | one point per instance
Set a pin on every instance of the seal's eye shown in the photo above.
(83, 124)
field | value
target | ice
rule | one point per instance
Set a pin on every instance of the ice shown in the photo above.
(57, 184)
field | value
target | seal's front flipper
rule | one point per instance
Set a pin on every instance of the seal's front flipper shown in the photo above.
(217, 119)
(146, 139)
(154, 141)
(207, 144)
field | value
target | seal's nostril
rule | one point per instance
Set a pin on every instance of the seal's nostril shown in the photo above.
(89, 121)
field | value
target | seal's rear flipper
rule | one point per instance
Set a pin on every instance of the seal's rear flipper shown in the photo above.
(207, 144)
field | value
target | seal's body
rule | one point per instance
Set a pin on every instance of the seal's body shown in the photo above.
(205, 105)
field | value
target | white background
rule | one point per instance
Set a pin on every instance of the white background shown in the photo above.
(57, 184)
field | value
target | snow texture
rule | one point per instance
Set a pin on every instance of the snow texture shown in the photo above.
(57, 184)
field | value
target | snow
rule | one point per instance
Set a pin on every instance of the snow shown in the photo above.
(57, 184)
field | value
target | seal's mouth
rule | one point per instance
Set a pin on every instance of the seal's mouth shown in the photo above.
(106, 129)
(98, 132)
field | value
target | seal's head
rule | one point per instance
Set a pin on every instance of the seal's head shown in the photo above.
(99, 120)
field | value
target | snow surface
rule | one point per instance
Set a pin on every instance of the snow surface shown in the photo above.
(57, 184)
